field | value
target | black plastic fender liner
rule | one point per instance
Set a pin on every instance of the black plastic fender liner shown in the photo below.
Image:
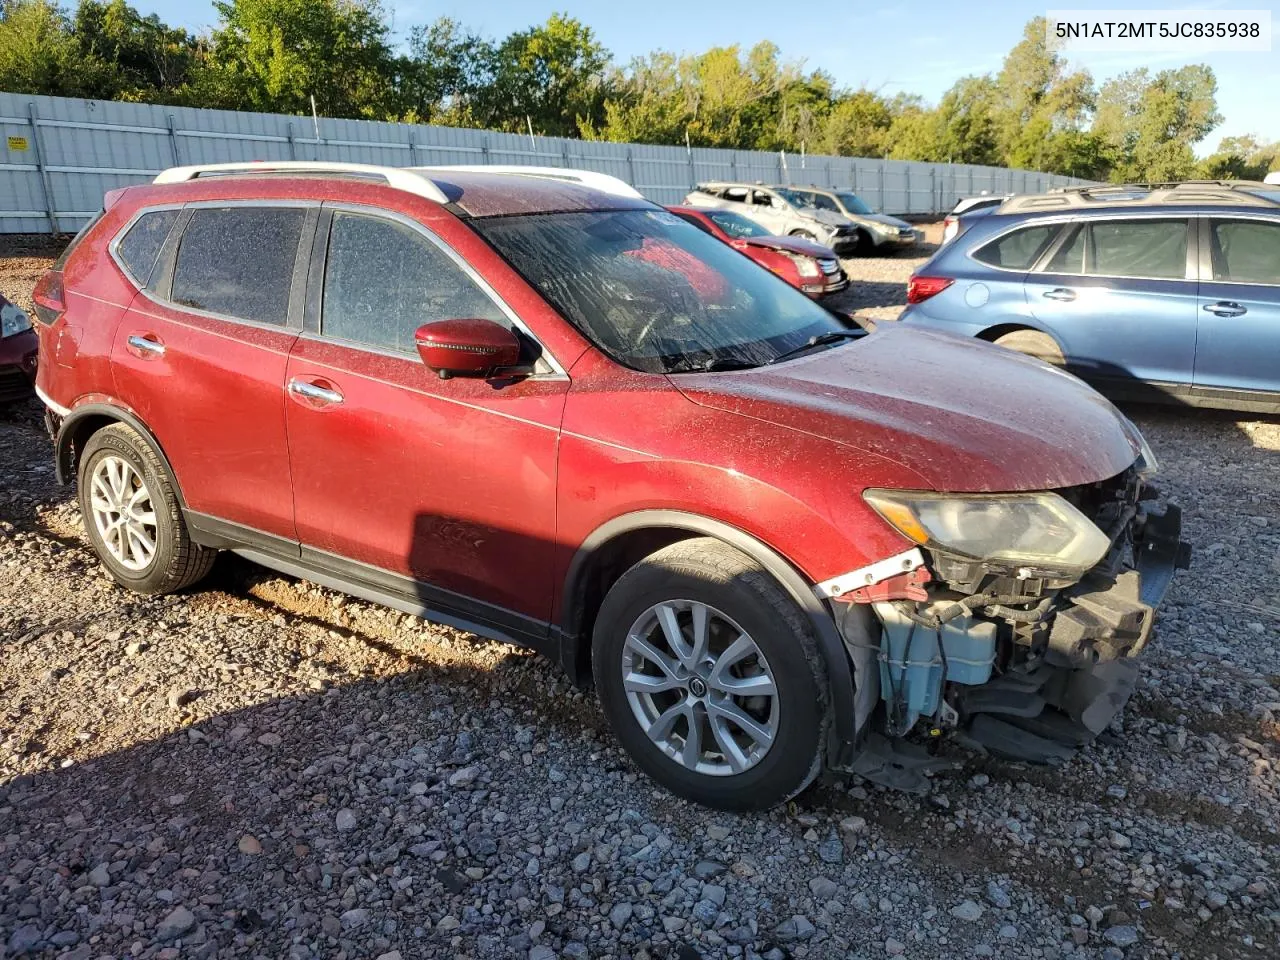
(63, 447)
(830, 645)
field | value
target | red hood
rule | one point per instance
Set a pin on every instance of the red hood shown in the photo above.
(806, 248)
(962, 414)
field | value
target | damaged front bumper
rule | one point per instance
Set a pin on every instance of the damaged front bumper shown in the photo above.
(1025, 666)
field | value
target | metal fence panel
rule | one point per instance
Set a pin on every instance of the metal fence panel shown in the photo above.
(58, 156)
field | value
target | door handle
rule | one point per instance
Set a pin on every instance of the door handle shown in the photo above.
(316, 393)
(146, 347)
(1061, 293)
(1226, 308)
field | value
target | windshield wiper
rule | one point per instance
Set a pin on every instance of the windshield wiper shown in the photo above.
(819, 340)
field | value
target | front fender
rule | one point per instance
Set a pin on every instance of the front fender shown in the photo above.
(830, 645)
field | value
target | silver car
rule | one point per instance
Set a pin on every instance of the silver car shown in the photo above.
(877, 231)
(781, 211)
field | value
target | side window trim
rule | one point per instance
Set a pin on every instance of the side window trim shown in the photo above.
(547, 366)
(161, 288)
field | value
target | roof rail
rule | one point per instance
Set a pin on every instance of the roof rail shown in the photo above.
(1241, 192)
(402, 178)
(588, 178)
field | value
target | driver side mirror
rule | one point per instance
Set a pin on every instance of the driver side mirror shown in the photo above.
(469, 347)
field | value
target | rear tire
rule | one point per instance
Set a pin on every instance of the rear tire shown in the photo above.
(743, 650)
(132, 516)
(1034, 344)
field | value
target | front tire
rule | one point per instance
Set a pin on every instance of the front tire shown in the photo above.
(132, 516)
(709, 674)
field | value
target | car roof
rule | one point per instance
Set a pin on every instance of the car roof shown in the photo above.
(484, 191)
(1113, 196)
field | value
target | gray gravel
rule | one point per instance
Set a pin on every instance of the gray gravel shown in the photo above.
(263, 768)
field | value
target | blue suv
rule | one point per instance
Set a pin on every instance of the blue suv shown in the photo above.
(1158, 292)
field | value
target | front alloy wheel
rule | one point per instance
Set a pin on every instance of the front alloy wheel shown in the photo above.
(700, 688)
(709, 674)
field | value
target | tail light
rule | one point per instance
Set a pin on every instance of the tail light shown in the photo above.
(49, 299)
(950, 227)
(920, 289)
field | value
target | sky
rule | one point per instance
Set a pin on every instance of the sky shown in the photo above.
(912, 46)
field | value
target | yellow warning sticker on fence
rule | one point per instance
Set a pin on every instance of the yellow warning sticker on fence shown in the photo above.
(18, 143)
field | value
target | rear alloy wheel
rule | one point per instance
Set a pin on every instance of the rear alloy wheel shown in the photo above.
(1034, 344)
(710, 677)
(132, 516)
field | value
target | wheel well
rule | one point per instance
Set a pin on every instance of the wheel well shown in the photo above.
(606, 564)
(992, 334)
(78, 434)
(73, 436)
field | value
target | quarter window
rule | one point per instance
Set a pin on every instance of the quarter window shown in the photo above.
(1017, 250)
(141, 245)
(383, 280)
(238, 261)
(1246, 251)
(1138, 248)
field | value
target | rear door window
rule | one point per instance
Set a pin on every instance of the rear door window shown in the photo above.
(139, 248)
(238, 262)
(1017, 250)
(383, 280)
(1151, 249)
(1246, 251)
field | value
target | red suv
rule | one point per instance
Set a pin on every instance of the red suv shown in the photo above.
(532, 405)
(806, 265)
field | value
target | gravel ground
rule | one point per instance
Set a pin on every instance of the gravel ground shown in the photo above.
(262, 768)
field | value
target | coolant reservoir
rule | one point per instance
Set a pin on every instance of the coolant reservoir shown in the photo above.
(911, 663)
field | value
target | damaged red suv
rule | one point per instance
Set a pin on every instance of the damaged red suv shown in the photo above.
(505, 400)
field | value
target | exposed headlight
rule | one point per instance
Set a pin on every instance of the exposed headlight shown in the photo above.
(13, 320)
(807, 266)
(1039, 530)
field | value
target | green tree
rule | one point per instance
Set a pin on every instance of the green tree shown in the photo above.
(857, 125)
(274, 55)
(1038, 99)
(39, 54)
(150, 59)
(1241, 158)
(445, 71)
(1150, 124)
(550, 74)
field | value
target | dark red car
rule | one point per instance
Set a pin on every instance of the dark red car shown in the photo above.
(547, 411)
(806, 265)
(17, 353)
